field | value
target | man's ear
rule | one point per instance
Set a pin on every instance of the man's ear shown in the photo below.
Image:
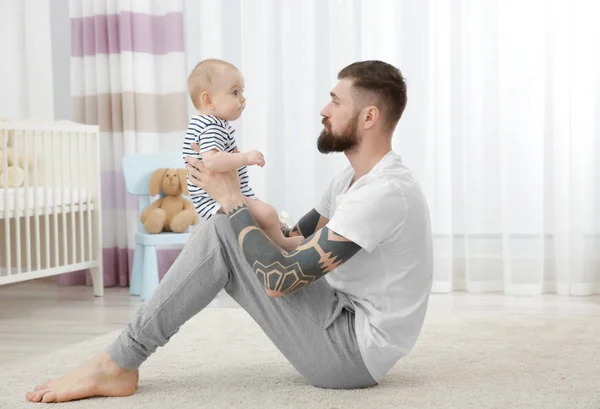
(206, 99)
(371, 116)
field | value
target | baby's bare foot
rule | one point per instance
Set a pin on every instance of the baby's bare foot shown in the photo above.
(99, 376)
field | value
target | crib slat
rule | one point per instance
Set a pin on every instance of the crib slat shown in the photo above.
(26, 138)
(81, 183)
(45, 196)
(90, 182)
(17, 209)
(8, 240)
(55, 243)
(36, 211)
(72, 201)
(63, 193)
(2, 190)
(98, 280)
(7, 249)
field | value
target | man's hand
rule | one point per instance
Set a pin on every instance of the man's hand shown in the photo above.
(224, 187)
(255, 158)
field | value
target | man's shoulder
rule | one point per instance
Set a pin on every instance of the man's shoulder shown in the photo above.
(396, 177)
(397, 191)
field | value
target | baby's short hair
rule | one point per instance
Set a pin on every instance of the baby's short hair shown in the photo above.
(201, 77)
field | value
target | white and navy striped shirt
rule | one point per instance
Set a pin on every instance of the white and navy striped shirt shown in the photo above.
(210, 132)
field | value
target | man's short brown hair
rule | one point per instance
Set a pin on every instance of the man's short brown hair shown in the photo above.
(380, 84)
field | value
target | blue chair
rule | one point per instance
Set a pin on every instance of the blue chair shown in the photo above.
(137, 170)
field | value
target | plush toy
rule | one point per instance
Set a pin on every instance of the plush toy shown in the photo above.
(173, 212)
(14, 172)
(16, 163)
(15, 175)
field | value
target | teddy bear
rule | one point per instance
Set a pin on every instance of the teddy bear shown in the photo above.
(16, 163)
(173, 212)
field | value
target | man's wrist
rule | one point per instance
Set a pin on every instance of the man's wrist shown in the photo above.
(233, 203)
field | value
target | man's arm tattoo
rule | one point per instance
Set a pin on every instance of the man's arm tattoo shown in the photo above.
(281, 272)
(308, 224)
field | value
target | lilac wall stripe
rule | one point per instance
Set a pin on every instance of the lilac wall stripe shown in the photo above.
(127, 31)
(114, 194)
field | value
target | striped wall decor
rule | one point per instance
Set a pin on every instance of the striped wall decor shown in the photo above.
(128, 75)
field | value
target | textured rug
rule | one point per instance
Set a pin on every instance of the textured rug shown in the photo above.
(462, 360)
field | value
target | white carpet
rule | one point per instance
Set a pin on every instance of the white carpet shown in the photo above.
(462, 360)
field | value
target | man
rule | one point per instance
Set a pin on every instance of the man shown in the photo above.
(369, 238)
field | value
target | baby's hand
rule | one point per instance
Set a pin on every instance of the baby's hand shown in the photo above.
(255, 158)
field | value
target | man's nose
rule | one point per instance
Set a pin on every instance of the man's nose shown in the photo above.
(325, 111)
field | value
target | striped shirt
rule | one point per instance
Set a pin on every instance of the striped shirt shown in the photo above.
(210, 132)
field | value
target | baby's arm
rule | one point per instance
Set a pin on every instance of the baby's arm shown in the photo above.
(220, 161)
(213, 144)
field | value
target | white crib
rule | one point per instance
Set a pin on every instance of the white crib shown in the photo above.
(50, 212)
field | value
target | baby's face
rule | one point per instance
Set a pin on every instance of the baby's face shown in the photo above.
(229, 98)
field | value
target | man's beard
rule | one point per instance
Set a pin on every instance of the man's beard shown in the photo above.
(344, 141)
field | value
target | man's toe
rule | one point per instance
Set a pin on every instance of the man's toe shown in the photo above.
(49, 397)
(38, 395)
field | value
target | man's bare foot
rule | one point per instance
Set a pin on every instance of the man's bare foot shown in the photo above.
(291, 243)
(99, 376)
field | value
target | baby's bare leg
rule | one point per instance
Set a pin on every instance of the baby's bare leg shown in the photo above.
(268, 220)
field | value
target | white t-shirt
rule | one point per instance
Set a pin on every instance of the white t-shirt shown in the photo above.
(389, 280)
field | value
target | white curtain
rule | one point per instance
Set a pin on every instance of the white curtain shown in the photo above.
(26, 87)
(502, 126)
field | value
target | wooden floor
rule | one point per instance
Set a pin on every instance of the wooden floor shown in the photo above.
(38, 316)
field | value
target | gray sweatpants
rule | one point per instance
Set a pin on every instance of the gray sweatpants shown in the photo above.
(313, 327)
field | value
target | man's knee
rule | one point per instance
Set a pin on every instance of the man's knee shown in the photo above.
(338, 381)
(337, 376)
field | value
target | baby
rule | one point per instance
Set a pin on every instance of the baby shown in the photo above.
(216, 89)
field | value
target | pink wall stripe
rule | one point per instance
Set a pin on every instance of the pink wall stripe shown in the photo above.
(127, 31)
(118, 264)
